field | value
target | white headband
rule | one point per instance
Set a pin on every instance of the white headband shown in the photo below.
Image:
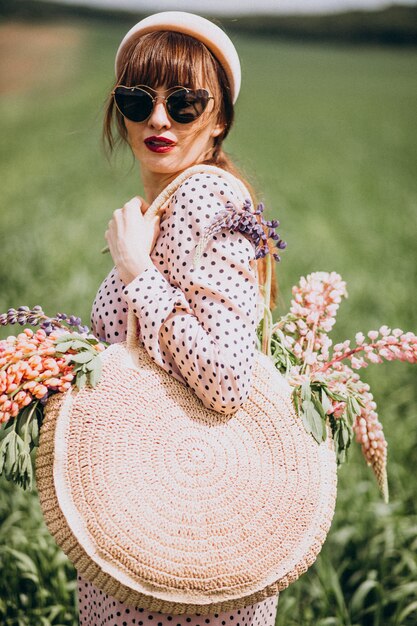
(202, 29)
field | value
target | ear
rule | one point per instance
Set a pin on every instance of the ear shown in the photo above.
(217, 130)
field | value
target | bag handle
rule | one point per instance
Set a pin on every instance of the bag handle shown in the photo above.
(160, 201)
(201, 168)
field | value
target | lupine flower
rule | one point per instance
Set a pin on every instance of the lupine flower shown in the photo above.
(366, 426)
(244, 220)
(312, 314)
(390, 346)
(303, 334)
(30, 370)
(370, 436)
(36, 317)
(33, 366)
(30, 366)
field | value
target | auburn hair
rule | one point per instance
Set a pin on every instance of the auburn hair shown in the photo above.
(171, 58)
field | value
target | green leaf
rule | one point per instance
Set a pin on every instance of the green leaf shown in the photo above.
(63, 347)
(89, 366)
(358, 602)
(348, 411)
(34, 429)
(93, 341)
(21, 419)
(80, 344)
(314, 419)
(80, 367)
(355, 406)
(3, 450)
(11, 453)
(306, 390)
(341, 456)
(318, 405)
(23, 562)
(81, 379)
(306, 422)
(327, 405)
(82, 357)
(344, 434)
(336, 396)
(410, 608)
(95, 373)
(64, 338)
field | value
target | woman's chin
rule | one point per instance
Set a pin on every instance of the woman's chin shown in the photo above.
(164, 164)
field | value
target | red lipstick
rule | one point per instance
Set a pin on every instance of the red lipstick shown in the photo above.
(159, 144)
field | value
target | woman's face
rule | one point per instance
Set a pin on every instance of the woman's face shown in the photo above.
(191, 141)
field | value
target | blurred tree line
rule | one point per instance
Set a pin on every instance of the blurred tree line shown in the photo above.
(395, 25)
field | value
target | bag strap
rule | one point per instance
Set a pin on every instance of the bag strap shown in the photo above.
(160, 201)
(201, 168)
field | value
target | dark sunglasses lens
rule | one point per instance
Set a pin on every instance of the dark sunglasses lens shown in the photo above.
(135, 104)
(185, 106)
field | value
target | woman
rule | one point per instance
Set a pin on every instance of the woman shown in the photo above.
(177, 78)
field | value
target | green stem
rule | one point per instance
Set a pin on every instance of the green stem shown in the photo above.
(346, 355)
(267, 319)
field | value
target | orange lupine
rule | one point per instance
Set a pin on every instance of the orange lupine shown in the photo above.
(39, 391)
(52, 382)
(29, 369)
(5, 416)
(20, 396)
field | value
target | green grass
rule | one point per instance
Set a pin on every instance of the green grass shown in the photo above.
(329, 137)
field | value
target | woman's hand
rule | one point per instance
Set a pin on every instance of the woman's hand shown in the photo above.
(131, 238)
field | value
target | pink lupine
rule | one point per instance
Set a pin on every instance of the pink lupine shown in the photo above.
(312, 314)
(313, 307)
(369, 434)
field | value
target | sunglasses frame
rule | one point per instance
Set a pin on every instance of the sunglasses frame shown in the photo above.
(165, 98)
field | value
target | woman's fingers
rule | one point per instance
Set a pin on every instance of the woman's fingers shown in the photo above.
(133, 205)
(144, 206)
(137, 202)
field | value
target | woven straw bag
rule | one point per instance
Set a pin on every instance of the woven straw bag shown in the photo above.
(165, 504)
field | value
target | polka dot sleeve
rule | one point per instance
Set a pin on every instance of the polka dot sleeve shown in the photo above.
(199, 324)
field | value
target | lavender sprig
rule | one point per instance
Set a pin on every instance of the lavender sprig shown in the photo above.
(244, 220)
(36, 317)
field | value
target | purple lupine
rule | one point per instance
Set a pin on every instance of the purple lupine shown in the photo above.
(74, 321)
(36, 317)
(244, 220)
(11, 316)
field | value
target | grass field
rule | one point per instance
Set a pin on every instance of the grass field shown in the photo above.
(328, 136)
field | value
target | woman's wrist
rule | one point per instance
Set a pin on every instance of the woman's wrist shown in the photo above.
(130, 274)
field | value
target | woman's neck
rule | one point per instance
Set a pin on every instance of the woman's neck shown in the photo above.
(154, 183)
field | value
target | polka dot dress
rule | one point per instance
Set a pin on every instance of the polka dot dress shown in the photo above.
(98, 609)
(199, 325)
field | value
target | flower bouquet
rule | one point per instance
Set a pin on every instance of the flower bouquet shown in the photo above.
(326, 386)
(34, 366)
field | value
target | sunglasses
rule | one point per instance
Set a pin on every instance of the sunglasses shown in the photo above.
(183, 105)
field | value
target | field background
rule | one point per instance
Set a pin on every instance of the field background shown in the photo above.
(328, 136)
